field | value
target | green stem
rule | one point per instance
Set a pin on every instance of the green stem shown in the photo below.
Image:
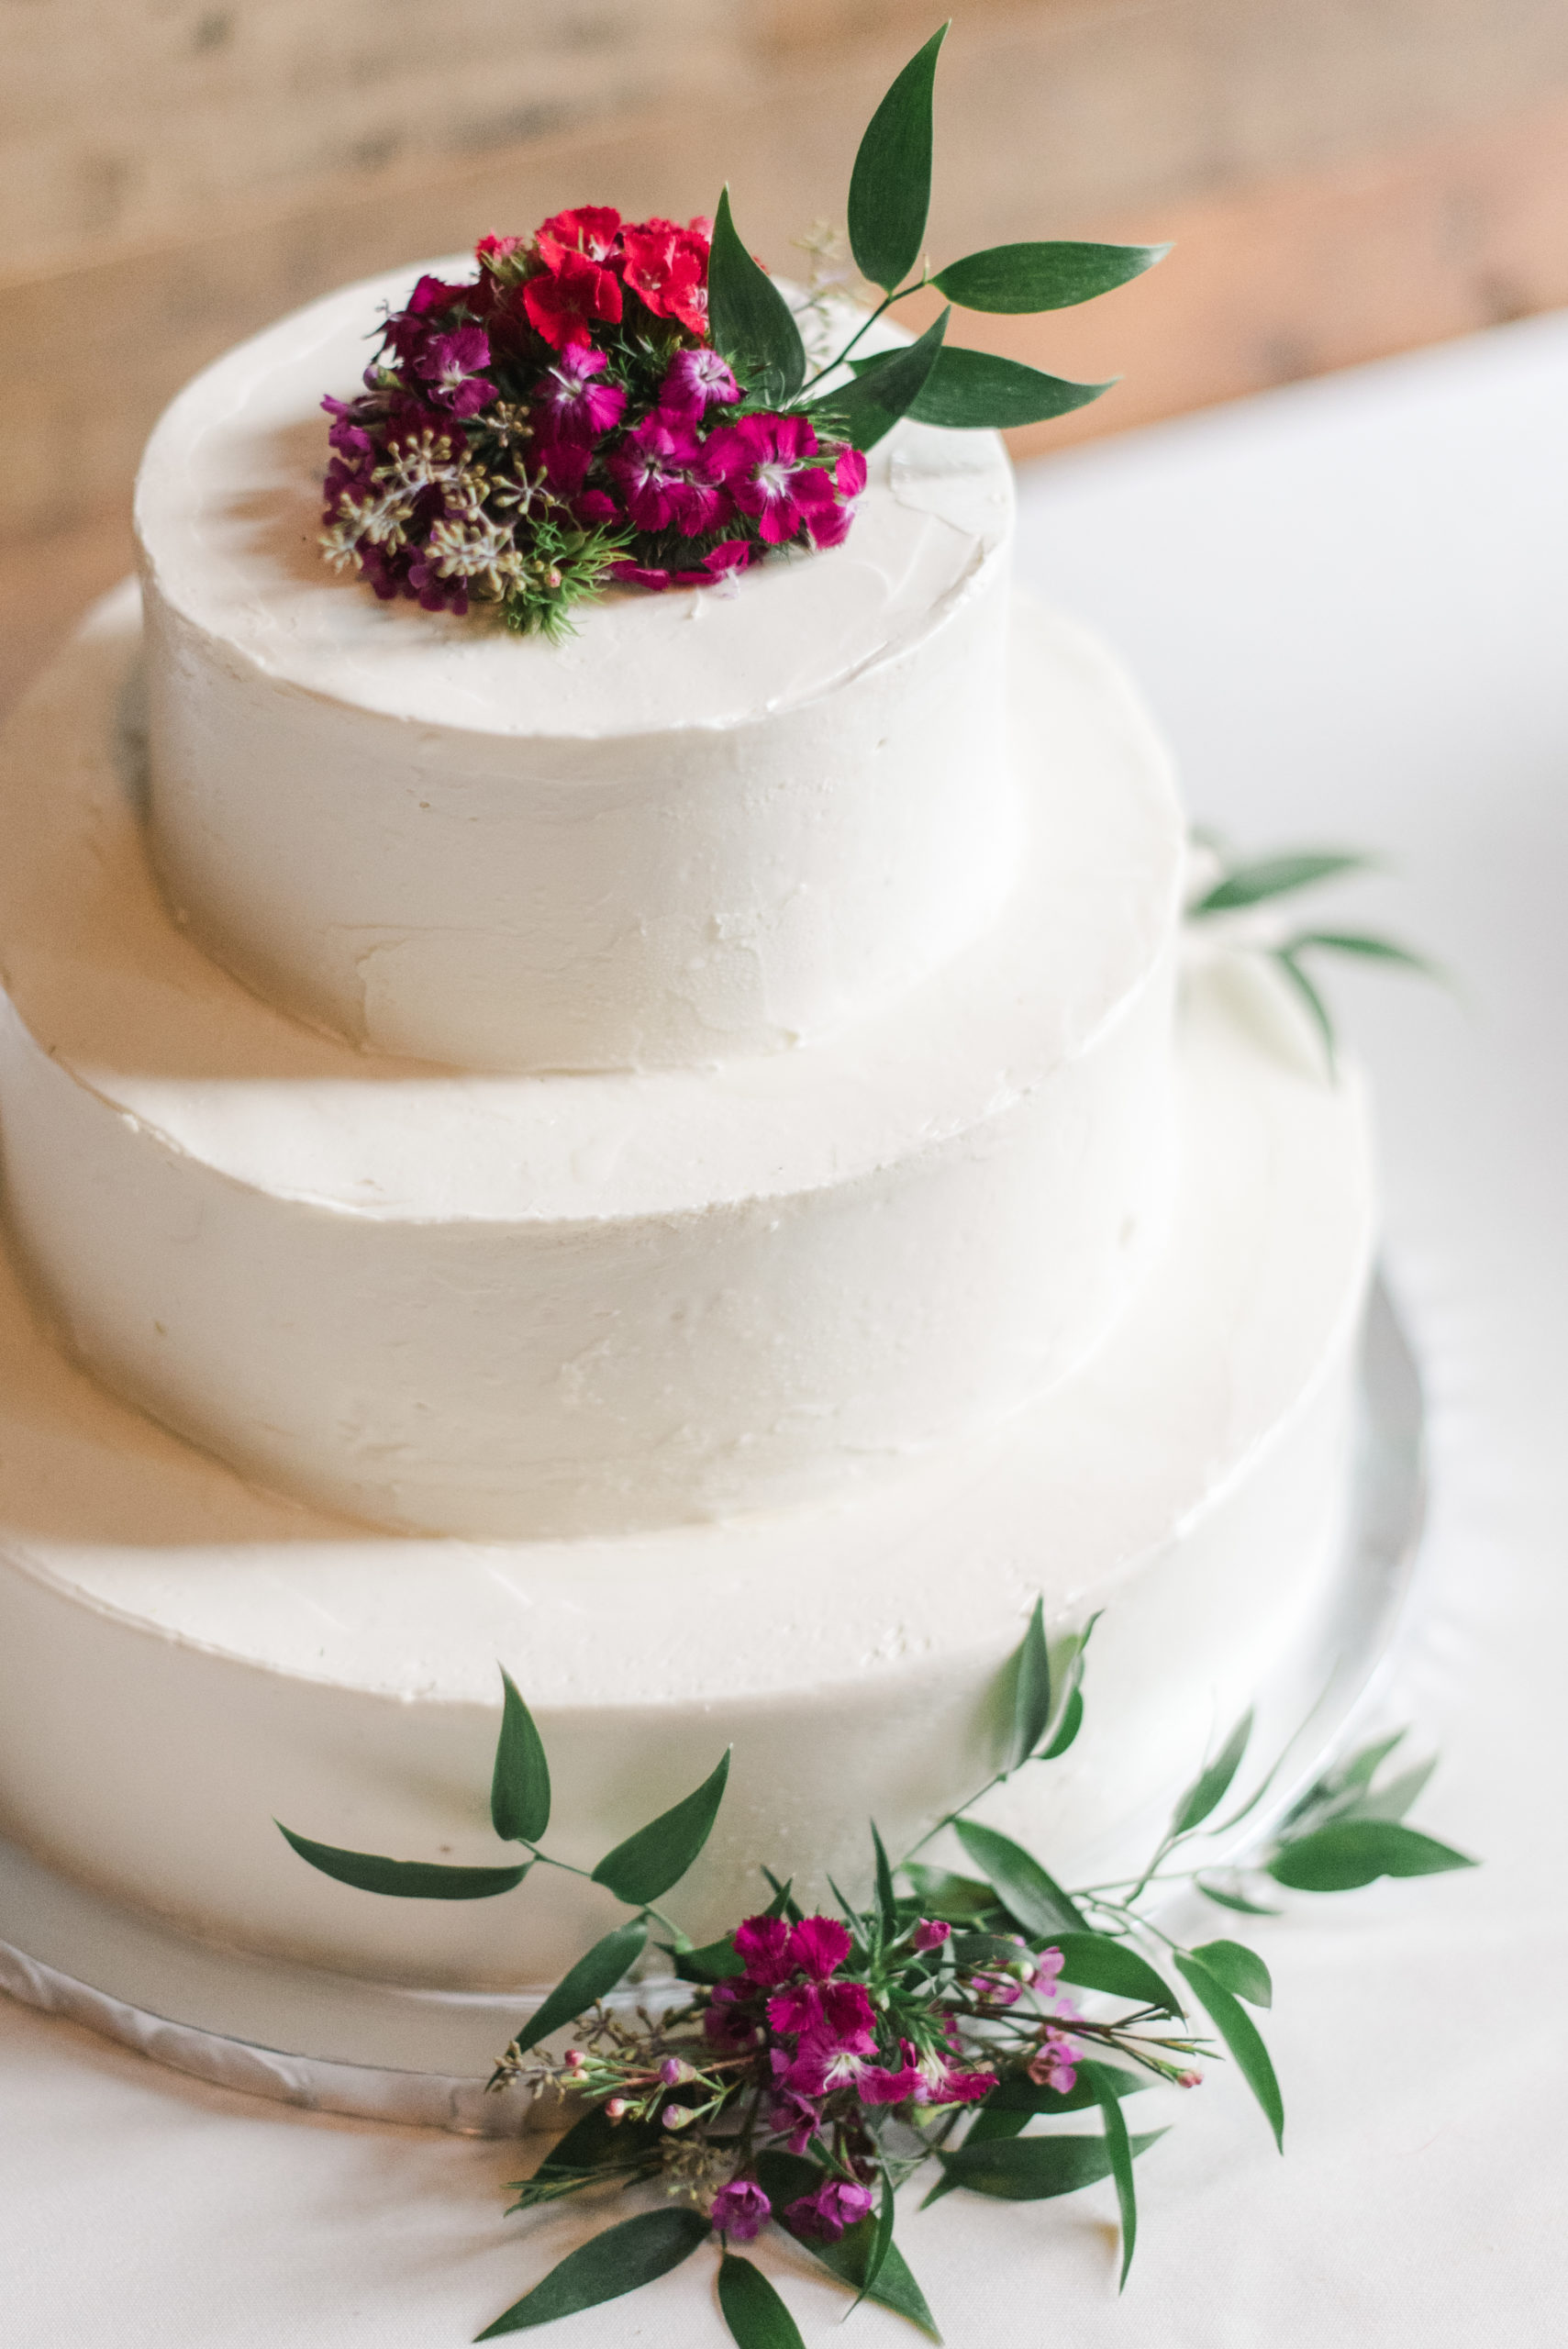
(827, 369)
(643, 1907)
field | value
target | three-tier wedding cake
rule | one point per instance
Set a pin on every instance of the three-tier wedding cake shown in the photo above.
(676, 1161)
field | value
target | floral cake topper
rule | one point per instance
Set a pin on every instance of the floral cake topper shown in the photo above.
(630, 402)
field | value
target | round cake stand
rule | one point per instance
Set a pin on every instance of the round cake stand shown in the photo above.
(381, 2052)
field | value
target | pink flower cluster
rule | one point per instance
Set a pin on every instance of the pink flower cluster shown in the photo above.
(567, 406)
(821, 2032)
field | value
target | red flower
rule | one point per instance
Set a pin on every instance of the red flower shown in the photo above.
(496, 247)
(667, 267)
(564, 303)
(591, 229)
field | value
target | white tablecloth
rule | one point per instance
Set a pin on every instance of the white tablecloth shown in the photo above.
(1348, 603)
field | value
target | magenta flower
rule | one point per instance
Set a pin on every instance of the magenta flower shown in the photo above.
(931, 1932)
(1047, 1967)
(825, 2059)
(818, 1945)
(449, 365)
(790, 2114)
(665, 478)
(741, 2209)
(1053, 2062)
(996, 1989)
(597, 506)
(722, 2026)
(763, 1945)
(841, 2007)
(695, 381)
(765, 462)
(575, 407)
(825, 2215)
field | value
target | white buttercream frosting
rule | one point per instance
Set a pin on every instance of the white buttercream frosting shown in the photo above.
(514, 1306)
(184, 1658)
(713, 821)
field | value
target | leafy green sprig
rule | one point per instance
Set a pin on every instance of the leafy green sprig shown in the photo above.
(958, 1970)
(1244, 885)
(889, 203)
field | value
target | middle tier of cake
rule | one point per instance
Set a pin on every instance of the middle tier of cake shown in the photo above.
(501, 1306)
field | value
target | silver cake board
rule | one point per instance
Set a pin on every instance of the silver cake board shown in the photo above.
(382, 2051)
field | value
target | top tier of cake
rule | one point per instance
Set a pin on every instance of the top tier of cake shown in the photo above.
(711, 823)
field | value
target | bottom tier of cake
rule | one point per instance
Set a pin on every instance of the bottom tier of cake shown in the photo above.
(184, 1659)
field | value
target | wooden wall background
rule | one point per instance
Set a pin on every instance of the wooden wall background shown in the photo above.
(1343, 179)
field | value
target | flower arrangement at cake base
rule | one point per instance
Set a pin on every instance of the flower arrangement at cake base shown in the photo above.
(814, 2064)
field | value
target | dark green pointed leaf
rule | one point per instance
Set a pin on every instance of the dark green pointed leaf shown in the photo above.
(940, 1894)
(751, 324)
(1239, 1969)
(1352, 1852)
(1355, 942)
(785, 2178)
(984, 1949)
(886, 1899)
(404, 1880)
(880, 2242)
(1240, 2035)
(1031, 1690)
(596, 2142)
(620, 2260)
(1022, 2096)
(1118, 2153)
(519, 1787)
(1317, 1010)
(1031, 2169)
(715, 1962)
(756, 2316)
(884, 388)
(1067, 1729)
(1276, 876)
(782, 1904)
(969, 389)
(1210, 1787)
(595, 1974)
(1394, 1800)
(1044, 276)
(659, 1855)
(1025, 1890)
(1235, 1901)
(890, 188)
(1094, 1961)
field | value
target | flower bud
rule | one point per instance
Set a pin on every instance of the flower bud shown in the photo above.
(674, 2072)
(575, 2059)
(677, 2116)
(615, 2109)
(1189, 2079)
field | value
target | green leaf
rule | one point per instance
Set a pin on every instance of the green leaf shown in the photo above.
(1276, 876)
(880, 2242)
(1031, 1689)
(594, 1973)
(785, 2177)
(1023, 2096)
(596, 2142)
(751, 324)
(1394, 1800)
(1210, 1787)
(620, 2260)
(1094, 1961)
(715, 1962)
(890, 188)
(1240, 2035)
(519, 1787)
(1044, 276)
(1118, 2152)
(1352, 1852)
(659, 1855)
(1317, 1010)
(1072, 1721)
(756, 2316)
(887, 1898)
(940, 1894)
(984, 1949)
(1031, 2169)
(884, 388)
(404, 1880)
(967, 389)
(1235, 1901)
(1026, 1891)
(1355, 942)
(1241, 1970)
